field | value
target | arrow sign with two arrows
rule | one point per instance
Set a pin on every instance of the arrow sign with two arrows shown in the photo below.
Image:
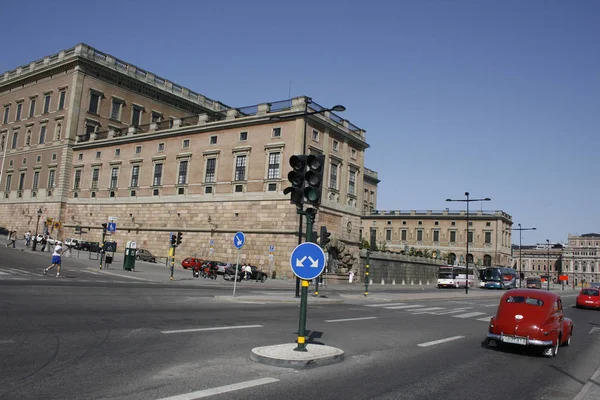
(307, 261)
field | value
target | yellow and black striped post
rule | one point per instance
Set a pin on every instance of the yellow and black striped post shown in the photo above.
(367, 274)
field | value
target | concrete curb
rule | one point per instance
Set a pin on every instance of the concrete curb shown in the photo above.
(591, 390)
(284, 355)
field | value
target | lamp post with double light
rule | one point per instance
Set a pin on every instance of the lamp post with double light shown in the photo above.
(305, 115)
(520, 257)
(468, 200)
(39, 215)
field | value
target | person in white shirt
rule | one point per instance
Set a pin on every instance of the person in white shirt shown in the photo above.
(55, 259)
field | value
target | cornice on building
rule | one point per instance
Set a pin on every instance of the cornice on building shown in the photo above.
(436, 214)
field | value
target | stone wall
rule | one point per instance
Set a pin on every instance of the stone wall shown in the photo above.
(398, 268)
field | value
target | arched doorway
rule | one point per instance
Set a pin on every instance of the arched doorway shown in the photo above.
(451, 258)
(469, 259)
(487, 260)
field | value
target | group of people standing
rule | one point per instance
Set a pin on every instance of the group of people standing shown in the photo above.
(56, 254)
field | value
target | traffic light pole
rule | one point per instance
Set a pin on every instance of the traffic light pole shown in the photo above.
(310, 219)
(172, 262)
(102, 244)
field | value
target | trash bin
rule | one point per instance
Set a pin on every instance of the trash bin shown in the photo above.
(130, 253)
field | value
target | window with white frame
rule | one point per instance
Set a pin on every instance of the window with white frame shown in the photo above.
(94, 102)
(488, 237)
(117, 152)
(182, 174)
(42, 134)
(353, 154)
(158, 170)
(32, 107)
(436, 236)
(213, 139)
(21, 181)
(95, 178)
(77, 179)
(19, 111)
(333, 175)
(138, 149)
(51, 176)
(6, 114)
(114, 177)
(161, 147)
(352, 182)
(135, 175)
(315, 135)
(274, 165)
(36, 180)
(211, 167)
(156, 117)
(61, 99)
(47, 100)
(115, 110)
(419, 235)
(15, 139)
(186, 143)
(388, 234)
(243, 136)
(8, 182)
(276, 132)
(136, 115)
(240, 167)
(336, 145)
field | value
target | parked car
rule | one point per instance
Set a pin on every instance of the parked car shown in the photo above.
(3, 231)
(230, 272)
(70, 242)
(257, 274)
(84, 245)
(588, 298)
(191, 262)
(595, 285)
(222, 266)
(530, 317)
(144, 255)
(533, 282)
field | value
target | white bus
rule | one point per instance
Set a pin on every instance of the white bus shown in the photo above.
(455, 276)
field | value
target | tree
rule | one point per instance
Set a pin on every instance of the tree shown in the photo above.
(426, 253)
(411, 252)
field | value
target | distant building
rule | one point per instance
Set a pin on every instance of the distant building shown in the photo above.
(443, 234)
(537, 260)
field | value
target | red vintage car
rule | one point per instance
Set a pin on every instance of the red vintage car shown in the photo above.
(588, 298)
(530, 317)
(191, 262)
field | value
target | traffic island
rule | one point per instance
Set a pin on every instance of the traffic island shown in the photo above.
(284, 355)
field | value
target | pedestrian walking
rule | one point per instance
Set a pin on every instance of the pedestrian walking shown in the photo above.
(12, 238)
(56, 259)
(27, 238)
(43, 242)
(350, 276)
(247, 271)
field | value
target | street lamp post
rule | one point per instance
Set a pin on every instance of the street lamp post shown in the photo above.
(39, 215)
(306, 114)
(520, 257)
(467, 256)
(548, 244)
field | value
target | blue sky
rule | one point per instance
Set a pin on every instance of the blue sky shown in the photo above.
(498, 98)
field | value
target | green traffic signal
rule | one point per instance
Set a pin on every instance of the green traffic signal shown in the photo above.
(314, 178)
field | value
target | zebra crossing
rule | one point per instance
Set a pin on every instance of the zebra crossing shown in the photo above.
(461, 312)
(15, 274)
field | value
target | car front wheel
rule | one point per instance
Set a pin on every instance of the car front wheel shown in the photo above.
(137, 258)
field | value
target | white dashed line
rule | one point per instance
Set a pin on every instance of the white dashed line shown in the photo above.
(485, 319)
(384, 304)
(469, 315)
(427, 344)
(221, 389)
(219, 328)
(349, 319)
(403, 307)
(424, 310)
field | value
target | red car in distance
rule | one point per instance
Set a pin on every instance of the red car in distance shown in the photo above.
(530, 317)
(588, 298)
(192, 262)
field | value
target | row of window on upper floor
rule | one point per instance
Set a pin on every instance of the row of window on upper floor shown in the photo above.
(42, 136)
(435, 235)
(437, 223)
(47, 104)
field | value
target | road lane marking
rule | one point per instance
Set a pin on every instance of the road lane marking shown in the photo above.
(420, 310)
(451, 311)
(221, 389)
(123, 276)
(485, 319)
(403, 307)
(384, 305)
(4, 273)
(349, 319)
(217, 328)
(469, 315)
(427, 344)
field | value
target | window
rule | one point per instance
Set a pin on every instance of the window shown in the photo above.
(404, 233)
(388, 234)
(436, 223)
(453, 223)
(333, 173)
(419, 222)
(243, 136)
(488, 224)
(436, 236)
(470, 223)
(57, 131)
(28, 137)
(156, 116)
(182, 176)
(211, 165)
(24, 161)
(186, 143)
(353, 154)
(470, 236)
(403, 222)
(272, 187)
(208, 190)
(77, 179)
(6, 112)
(419, 235)
(114, 177)
(98, 155)
(336, 145)
(80, 157)
(135, 175)
(22, 181)
(352, 183)
(61, 99)
(161, 147)
(315, 135)
(51, 176)
(136, 116)
(95, 176)
(19, 109)
(276, 132)
(42, 134)
(115, 111)
(239, 188)
(213, 140)
(138, 149)
(94, 102)
(488, 238)
(38, 159)
(32, 108)
(240, 168)
(274, 162)
(157, 174)
(452, 236)
(15, 138)
(117, 152)
(36, 179)
(47, 103)
(8, 181)
(53, 156)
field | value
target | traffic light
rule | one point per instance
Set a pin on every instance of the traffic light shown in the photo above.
(104, 227)
(324, 237)
(179, 237)
(296, 178)
(314, 178)
(173, 238)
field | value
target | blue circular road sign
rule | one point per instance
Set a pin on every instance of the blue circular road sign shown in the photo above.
(307, 261)
(238, 240)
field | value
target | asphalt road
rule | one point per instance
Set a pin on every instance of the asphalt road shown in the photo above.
(103, 336)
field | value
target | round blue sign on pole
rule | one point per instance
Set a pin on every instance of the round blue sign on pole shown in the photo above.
(307, 261)
(238, 240)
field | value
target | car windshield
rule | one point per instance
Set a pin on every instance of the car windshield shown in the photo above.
(590, 292)
(527, 300)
